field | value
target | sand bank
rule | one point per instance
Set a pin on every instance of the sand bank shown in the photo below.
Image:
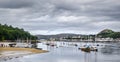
(8, 53)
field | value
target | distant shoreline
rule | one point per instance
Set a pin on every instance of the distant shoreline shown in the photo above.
(85, 41)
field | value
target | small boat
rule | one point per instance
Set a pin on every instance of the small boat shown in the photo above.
(76, 45)
(88, 49)
(97, 45)
(48, 44)
(85, 49)
(52, 44)
(93, 49)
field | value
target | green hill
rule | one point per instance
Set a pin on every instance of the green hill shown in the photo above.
(108, 33)
(13, 33)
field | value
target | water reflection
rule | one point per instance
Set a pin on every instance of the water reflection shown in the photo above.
(68, 52)
(110, 49)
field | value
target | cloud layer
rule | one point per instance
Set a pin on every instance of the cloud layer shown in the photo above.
(61, 16)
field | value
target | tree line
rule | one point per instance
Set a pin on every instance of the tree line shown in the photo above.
(8, 32)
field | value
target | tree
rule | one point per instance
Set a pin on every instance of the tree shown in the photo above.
(11, 33)
(115, 35)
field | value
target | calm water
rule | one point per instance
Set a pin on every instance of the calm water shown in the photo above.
(67, 52)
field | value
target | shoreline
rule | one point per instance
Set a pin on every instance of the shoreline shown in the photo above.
(8, 53)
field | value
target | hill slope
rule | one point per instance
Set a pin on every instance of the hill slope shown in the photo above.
(11, 33)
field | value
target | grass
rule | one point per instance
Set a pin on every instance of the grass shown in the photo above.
(32, 50)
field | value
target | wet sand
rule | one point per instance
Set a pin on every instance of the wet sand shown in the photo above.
(8, 53)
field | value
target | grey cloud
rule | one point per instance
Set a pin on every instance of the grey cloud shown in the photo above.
(61, 15)
(16, 3)
(96, 8)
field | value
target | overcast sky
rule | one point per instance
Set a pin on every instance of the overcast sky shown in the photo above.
(61, 16)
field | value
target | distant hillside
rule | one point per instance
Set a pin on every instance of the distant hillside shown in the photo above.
(108, 33)
(57, 36)
(102, 34)
(12, 33)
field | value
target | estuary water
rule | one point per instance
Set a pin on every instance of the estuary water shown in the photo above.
(68, 52)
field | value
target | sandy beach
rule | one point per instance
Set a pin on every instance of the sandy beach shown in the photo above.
(8, 53)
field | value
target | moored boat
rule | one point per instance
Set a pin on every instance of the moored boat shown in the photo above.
(88, 49)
